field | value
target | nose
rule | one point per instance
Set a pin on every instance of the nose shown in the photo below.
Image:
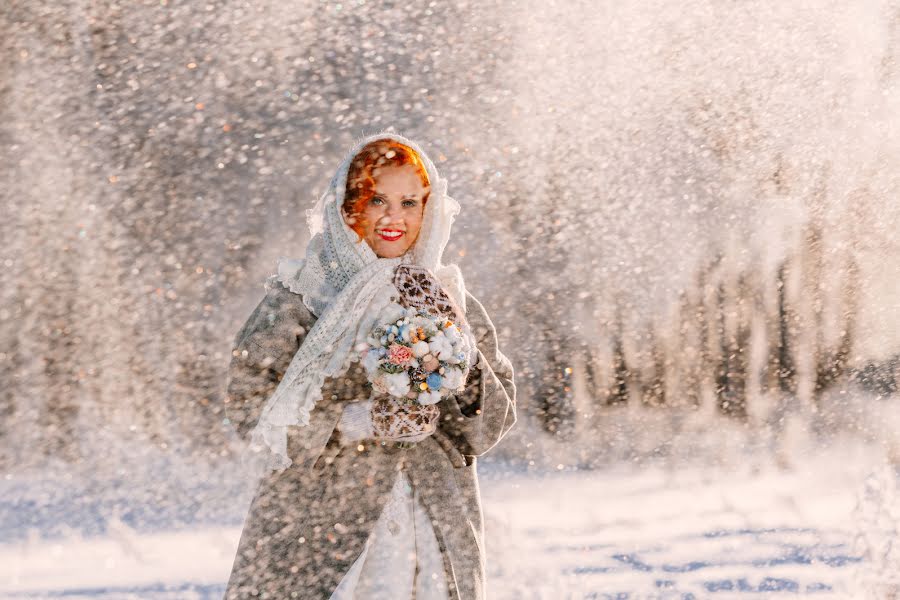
(392, 213)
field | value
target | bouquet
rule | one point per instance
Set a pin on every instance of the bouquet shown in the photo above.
(417, 356)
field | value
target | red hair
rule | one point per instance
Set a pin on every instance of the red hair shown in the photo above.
(361, 176)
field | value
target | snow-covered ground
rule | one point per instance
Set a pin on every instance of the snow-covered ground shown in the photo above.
(652, 534)
(823, 527)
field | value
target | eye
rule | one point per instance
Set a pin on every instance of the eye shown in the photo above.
(377, 200)
(410, 203)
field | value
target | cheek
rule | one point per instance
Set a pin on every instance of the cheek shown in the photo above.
(414, 223)
(370, 216)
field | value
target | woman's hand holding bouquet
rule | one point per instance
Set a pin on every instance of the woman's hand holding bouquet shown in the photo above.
(413, 359)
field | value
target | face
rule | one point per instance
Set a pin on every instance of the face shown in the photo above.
(393, 216)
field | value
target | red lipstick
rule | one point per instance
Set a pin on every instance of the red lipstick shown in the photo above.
(389, 235)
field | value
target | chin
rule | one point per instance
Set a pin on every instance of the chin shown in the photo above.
(390, 253)
(388, 249)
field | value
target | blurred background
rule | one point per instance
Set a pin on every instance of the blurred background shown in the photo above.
(681, 217)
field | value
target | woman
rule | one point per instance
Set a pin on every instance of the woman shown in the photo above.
(370, 497)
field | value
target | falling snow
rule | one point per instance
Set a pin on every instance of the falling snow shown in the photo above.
(681, 217)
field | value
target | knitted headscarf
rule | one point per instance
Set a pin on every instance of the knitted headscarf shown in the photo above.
(347, 286)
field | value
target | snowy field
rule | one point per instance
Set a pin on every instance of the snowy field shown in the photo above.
(688, 534)
(822, 528)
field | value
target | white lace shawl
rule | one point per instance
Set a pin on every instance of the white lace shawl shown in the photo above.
(346, 285)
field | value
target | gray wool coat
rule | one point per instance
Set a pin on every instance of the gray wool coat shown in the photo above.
(308, 524)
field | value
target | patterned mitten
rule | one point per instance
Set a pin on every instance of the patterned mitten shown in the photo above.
(403, 420)
(419, 288)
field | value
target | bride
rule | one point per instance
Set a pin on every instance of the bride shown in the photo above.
(368, 495)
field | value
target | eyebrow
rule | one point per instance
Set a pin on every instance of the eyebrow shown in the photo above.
(409, 196)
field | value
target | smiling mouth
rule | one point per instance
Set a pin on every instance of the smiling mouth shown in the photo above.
(389, 235)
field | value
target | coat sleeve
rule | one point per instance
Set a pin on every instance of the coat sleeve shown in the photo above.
(261, 353)
(479, 416)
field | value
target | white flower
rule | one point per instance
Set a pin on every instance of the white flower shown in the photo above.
(371, 360)
(426, 324)
(441, 347)
(453, 380)
(452, 333)
(397, 384)
(420, 349)
(429, 397)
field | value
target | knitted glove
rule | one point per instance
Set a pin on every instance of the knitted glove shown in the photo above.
(398, 420)
(420, 288)
(386, 417)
